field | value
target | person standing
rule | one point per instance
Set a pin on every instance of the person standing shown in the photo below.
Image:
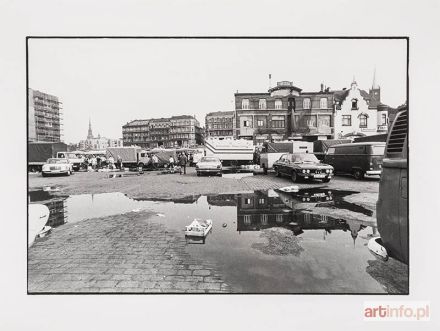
(120, 162)
(182, 161)
(171, 163)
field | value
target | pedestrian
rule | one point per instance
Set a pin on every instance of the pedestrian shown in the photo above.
(98, 162)
(93, 162)
(182, 161)
(155, 161)
(171, 163)
(111, 162)
(120, 162)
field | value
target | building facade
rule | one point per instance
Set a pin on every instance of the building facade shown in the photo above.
(358, 112)
(44, 117)
(219, 124)
(175, 131)
(286, 112)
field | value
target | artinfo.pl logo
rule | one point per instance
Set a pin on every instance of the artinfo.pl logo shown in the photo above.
(396, 311)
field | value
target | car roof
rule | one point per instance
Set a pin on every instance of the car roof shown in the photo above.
(369, 143)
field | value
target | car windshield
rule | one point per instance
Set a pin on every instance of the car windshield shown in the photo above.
(378, 149)
(209, 159)
(304, 158)
(56, 161)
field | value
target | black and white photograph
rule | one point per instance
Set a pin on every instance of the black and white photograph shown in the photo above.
(217, 165)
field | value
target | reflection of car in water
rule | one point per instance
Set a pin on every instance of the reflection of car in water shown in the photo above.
(302, 165)
(392, 205)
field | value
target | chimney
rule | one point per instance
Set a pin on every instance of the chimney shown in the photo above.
(322, 87)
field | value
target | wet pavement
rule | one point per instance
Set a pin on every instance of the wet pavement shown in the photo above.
(261, 242)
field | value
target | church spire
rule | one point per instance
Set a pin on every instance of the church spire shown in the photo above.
(90, 133)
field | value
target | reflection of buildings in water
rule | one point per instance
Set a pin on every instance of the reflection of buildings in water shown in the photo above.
(259, 211)
(57, 212)
(222, 200)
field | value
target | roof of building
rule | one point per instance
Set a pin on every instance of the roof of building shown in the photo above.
(137, 122)
(220, 113)
(181, 117)
(341, 95)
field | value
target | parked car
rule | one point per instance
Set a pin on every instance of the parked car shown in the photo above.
(56, 166)
(302, 165)
(209, 165)
(358, 159)
(392, 205)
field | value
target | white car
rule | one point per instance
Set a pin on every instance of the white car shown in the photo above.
(209, 165)
(57, 166)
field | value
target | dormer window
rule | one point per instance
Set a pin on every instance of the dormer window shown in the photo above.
(262, 104)
(354, 104)
(306, 103)
(278, 104)
(245, 104)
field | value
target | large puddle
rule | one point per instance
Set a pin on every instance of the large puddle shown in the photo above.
(262, 241)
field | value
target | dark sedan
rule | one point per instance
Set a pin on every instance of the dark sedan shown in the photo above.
(302, 165)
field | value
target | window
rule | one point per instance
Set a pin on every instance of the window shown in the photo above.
(260, 123)
(245, 104)
(306, 103)
(263, 219)
(279, 218)
(278, 122)
(346, 120)
(323, 103)
(331, 150)
(261, 201)
(247, 201)
(354, 104)
(247, 219)
(262, 104)
(246, 124)
(384, 119)
(363, 121)
(278, 104)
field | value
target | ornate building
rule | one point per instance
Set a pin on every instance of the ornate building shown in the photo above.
(98, 143)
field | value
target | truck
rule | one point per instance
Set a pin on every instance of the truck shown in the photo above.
(40, 152)
(231, 152)
(129, 155)
(74, 158)
(271, 152)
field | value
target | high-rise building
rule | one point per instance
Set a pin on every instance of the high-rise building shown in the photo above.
(44, 117)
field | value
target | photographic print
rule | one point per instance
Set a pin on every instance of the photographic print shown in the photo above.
(218, 165)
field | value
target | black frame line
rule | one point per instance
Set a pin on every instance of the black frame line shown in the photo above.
(210, 38)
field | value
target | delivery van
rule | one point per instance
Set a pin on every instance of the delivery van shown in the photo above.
(359, 159)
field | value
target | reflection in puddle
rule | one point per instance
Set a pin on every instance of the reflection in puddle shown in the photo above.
(262, 241)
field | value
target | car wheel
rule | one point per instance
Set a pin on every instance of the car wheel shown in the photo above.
(277, 172)
(43, 174)
(198, 174)
(358, 174)
(294, 176)
(326, 180)
(68, 173)
(219, 174)
(141, 165)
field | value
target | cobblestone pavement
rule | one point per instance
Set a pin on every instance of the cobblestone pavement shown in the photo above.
(120, 253)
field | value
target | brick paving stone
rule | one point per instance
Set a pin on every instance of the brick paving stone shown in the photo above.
(201, 272)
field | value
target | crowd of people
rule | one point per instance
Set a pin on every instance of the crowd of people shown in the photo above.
(96, 162)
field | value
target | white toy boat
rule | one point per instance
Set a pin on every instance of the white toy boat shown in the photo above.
(289, 189)
(198, 228)
(375, 246)
(38, 216)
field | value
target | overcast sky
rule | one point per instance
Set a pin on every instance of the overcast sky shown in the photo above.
(114, 81)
